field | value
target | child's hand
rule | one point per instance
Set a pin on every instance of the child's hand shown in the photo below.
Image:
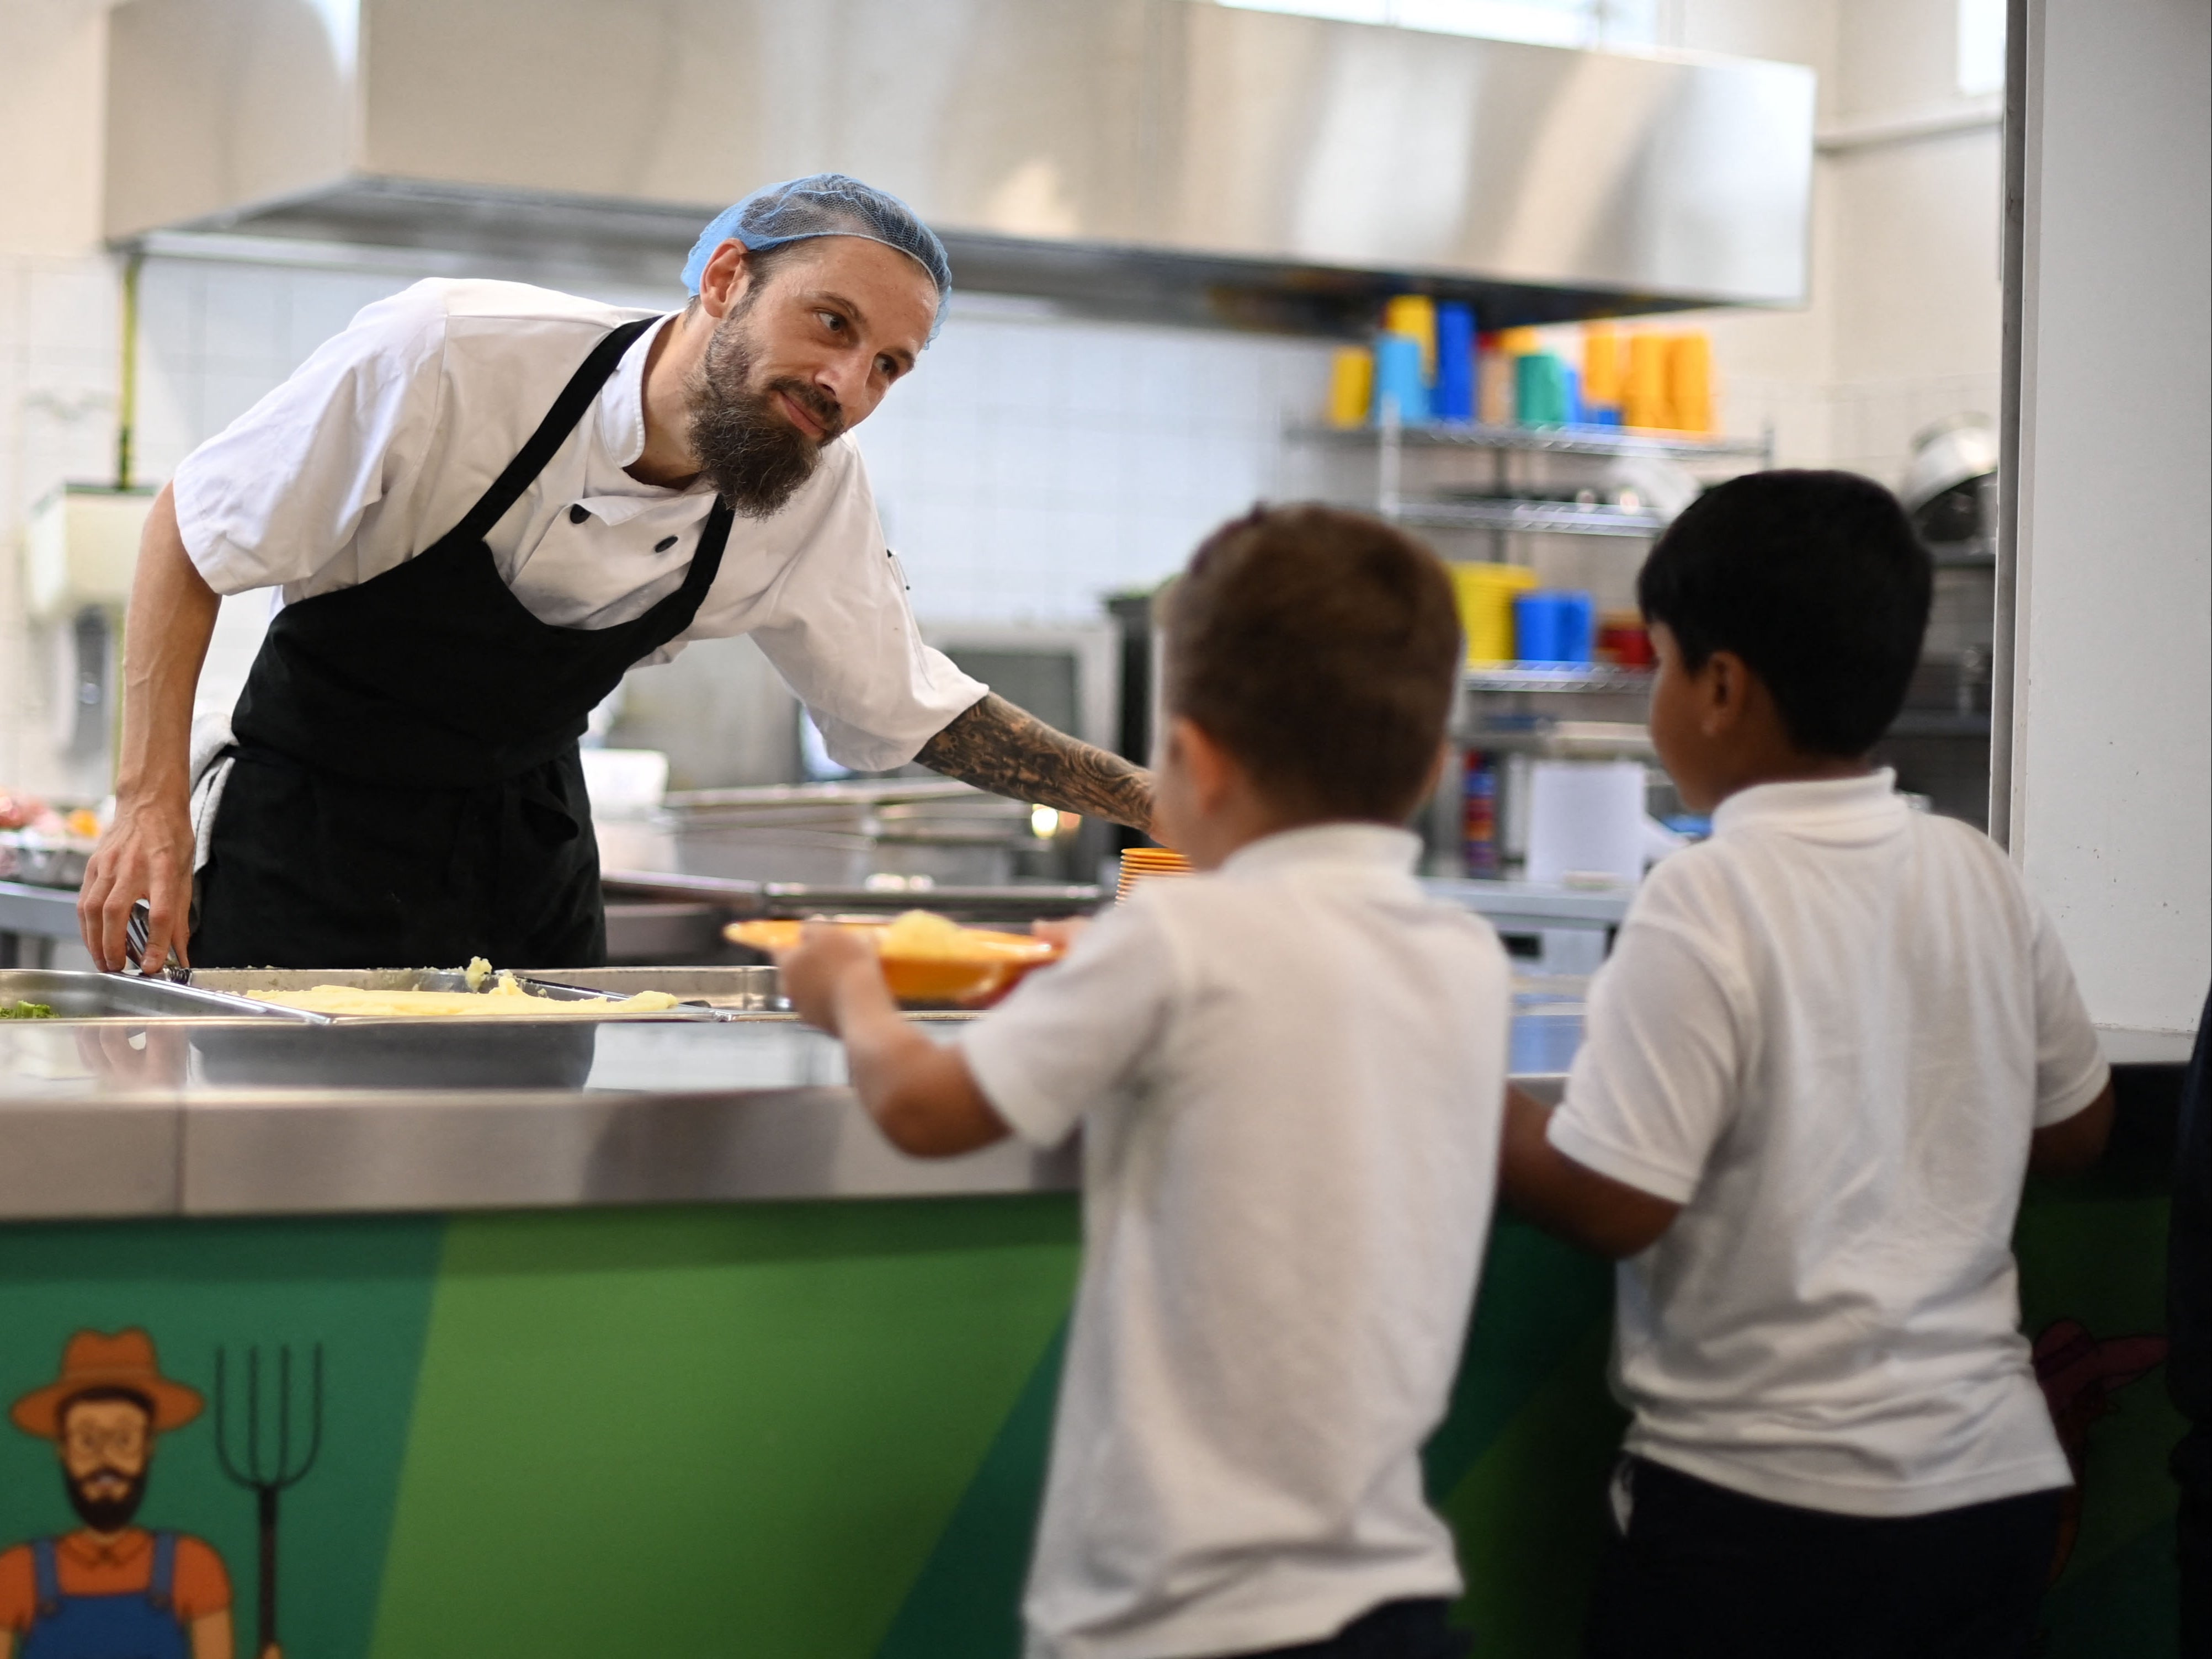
(823, 959)
(1063, 932)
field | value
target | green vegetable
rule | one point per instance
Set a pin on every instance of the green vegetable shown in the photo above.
(26, 1011)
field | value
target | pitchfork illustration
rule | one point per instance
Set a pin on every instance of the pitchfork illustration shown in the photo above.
(279, 1474)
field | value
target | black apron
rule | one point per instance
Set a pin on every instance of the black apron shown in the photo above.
(407, 791)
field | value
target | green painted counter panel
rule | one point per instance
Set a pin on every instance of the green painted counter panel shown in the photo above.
(819, 1429)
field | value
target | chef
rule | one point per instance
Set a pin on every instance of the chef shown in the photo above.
(483, 502)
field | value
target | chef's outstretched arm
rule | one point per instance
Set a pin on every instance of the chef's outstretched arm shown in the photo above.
(147, 852)
(1009, 751)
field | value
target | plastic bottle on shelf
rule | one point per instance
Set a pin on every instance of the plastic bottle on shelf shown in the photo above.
(1479, 781)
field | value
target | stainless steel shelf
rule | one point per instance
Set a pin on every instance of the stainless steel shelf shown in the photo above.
(1552, 440)
(1939, 723)
(1591, 677)
(1548, 518)
(1558, 739)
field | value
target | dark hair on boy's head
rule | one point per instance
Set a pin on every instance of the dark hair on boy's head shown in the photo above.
(1322, 649)
(1816, 580)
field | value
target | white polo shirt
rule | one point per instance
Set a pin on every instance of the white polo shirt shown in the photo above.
(384, 438)
(1289, 1076)
(1828, 1033)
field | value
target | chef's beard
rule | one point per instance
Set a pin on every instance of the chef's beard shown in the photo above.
(111, 1511)
(746, 446)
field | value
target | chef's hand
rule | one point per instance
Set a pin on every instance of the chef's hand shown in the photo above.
(147, 854)
(827, 965)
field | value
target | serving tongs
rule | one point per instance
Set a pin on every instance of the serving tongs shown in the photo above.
(138, 930)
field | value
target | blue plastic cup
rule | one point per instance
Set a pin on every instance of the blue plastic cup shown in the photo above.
(1454, 393)
(1398, 375)
(1554, 627)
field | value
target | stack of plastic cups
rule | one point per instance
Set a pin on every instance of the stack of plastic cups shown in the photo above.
(1554, 628)
(1351, 386)
(1399, 387)
(1145, 864)
(1602, 375)
(1643, 399)
(1690, 382)
(1455, 379)
(1493, 382)
(1485, 593)
(1542, 395)
(1414, 316)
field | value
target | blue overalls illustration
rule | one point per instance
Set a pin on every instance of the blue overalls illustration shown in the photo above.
(135, 1624)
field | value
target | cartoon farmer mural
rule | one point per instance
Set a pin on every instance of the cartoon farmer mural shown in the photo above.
(111, 1589)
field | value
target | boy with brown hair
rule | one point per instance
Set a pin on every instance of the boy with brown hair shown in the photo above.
(1288, 1069)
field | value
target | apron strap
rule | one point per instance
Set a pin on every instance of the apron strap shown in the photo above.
(45, 1581)
(162, 1587)
(552, 432)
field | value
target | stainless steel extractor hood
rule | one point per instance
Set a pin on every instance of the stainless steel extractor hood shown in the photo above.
(1150, 156)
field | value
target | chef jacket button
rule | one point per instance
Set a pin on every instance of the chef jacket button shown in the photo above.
(664, 543)
(577, 514)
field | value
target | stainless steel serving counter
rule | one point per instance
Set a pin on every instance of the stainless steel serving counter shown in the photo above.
(192, 1115)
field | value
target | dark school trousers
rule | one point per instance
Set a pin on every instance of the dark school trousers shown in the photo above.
(1396, 1630)
(1703, 1572)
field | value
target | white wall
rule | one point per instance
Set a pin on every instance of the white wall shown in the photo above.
(1904, 321)
(2111, 740)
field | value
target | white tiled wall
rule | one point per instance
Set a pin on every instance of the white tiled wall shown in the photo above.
(1030, 465)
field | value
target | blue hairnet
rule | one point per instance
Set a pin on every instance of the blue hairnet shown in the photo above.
(825, 204)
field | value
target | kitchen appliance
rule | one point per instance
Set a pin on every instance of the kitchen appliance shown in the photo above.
(1950, 484)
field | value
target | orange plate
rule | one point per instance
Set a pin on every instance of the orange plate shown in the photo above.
(976, 980)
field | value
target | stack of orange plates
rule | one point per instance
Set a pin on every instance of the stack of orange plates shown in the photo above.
(987, 966)
(1139, 863)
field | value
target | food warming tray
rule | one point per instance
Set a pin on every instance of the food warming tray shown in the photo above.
(554, 987)
(77, 995)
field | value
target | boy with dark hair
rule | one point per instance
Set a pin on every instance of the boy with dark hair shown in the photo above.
(1288, 1069)
(1829, 1043)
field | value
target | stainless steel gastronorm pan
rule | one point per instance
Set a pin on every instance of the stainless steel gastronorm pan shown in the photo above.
(740, 990)
(84, 996)
(554, 988)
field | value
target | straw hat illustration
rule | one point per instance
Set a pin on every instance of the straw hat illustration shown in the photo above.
(93, 1360)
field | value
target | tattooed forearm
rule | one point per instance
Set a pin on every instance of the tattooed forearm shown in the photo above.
(999, 747)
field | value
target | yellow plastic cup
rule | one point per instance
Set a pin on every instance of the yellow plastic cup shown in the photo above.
(1643, 398)
(1415, 315)
(1601, 365)
(1351, 386)
(1485, 608)
(1690, 382)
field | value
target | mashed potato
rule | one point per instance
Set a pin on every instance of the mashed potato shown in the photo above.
(924, 936)
(505, 1000)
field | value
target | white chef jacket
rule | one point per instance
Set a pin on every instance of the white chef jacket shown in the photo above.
(384, 438)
